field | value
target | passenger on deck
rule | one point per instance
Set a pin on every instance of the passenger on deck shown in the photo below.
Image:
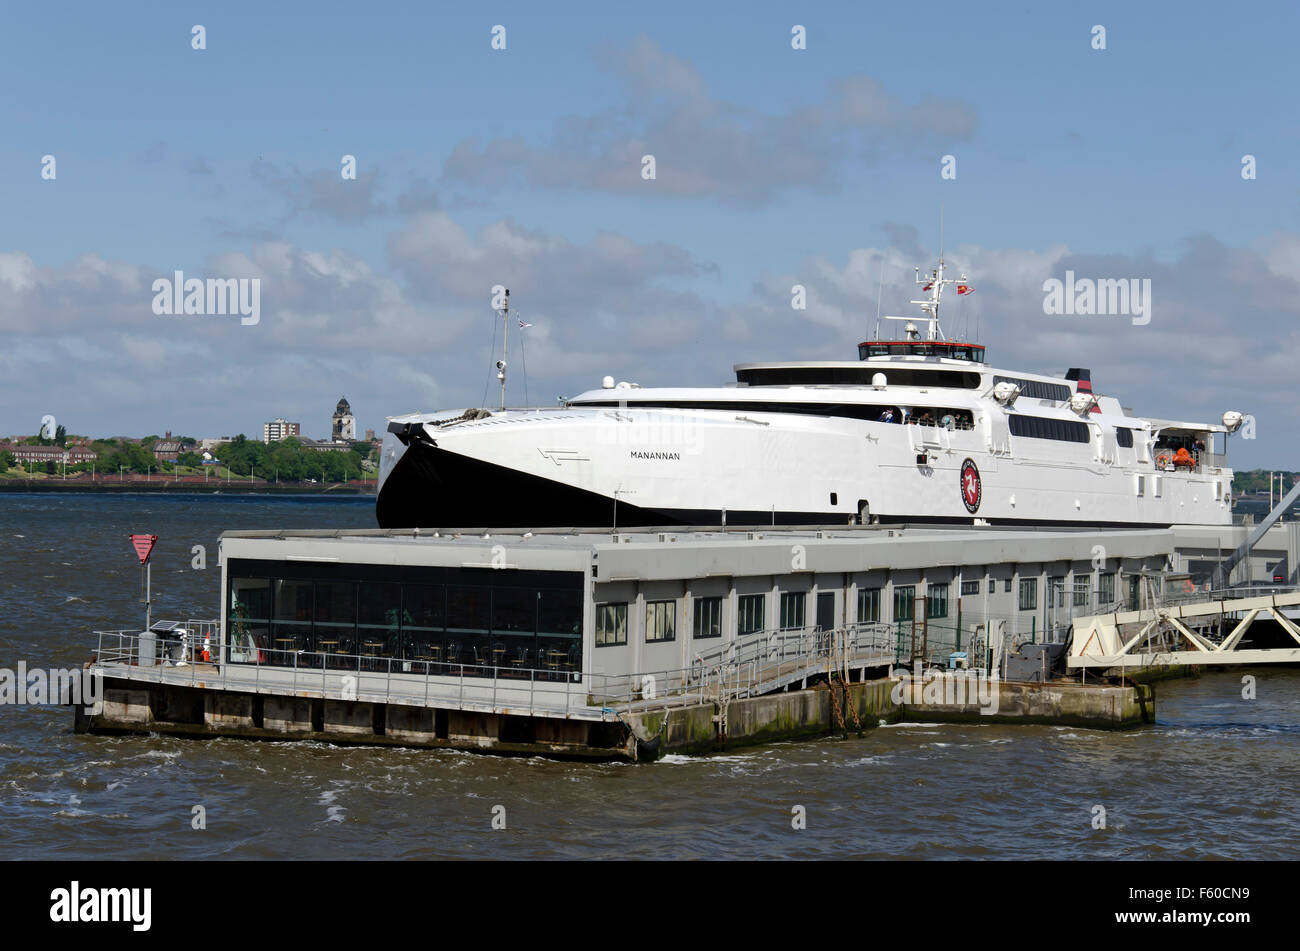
(887, 416)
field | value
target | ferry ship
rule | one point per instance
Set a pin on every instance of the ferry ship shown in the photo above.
(921, 430)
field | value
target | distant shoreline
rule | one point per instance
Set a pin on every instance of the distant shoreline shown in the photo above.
(181, 488)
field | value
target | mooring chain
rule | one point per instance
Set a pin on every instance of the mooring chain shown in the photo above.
(853, 707)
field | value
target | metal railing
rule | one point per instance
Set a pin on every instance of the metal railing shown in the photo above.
(754, 664)
(758, 664)
(501, 688)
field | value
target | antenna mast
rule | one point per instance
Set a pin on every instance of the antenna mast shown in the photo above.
(505, 350)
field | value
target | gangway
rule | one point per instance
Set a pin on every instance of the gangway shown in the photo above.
(1203, 632)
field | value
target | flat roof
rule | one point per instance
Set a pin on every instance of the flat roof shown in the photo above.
(675, 553)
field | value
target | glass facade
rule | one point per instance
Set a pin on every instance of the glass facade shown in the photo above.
(471, 621)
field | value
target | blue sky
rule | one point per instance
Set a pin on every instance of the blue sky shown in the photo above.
(478, 166)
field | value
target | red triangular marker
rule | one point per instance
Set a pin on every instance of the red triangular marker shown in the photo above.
(143, 545)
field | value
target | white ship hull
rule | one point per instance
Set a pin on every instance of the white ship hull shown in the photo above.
(565, 467)
(914, 430)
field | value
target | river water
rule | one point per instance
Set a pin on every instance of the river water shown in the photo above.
(1214, 779)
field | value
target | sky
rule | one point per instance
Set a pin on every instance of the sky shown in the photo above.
(524, 167)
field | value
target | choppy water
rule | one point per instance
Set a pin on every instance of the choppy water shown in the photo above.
(1215, 779)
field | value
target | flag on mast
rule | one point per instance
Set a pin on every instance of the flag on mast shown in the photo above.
(522, 324)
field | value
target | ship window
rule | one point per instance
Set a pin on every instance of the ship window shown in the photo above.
(792, 610)
(708, 617)
(611, 625)
(970, 587)
(749, 614)
(993, 586)
(1081, 592)
(868, 605)
(899, 375)
(1038, 389)
(1124, 437)
(660, 621)
(1039, 427)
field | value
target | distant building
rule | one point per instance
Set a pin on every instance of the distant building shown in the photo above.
(324, 445)
(279, 429)
(68, 456)
(213, 441)
(370, 435)
(167, 450)
(344, 428)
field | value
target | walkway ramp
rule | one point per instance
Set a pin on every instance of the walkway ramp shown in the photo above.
(1210, 631)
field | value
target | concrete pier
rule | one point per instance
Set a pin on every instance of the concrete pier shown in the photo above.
(693, 728)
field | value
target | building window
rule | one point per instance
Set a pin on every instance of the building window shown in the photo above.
(904, 602)
(1081, 591)
(993, 586)
(1106, 589)
(868, 605)
(936, 596)
(1028, 594)
(749, 614)
(792, 610)
(708, 617)
(970, 587)
(611, 625)
(660, 621)
(1006, 588)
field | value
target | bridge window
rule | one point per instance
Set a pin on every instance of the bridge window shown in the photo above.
(1124, 437)
(1040, 427)
(1038, 389)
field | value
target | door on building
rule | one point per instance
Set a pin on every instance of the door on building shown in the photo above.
(826, 610)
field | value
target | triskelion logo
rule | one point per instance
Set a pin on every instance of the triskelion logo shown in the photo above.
(971, 489)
